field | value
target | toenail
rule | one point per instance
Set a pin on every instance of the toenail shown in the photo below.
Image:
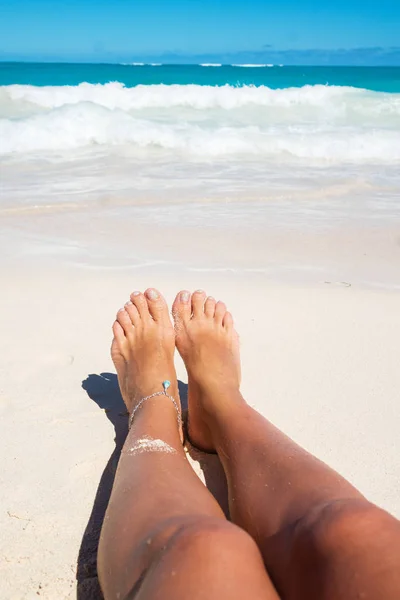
(129, 303)
(211, 298)
(136, 294)
(199, 292)
(152, 294)
(185, 296)
(121, 310)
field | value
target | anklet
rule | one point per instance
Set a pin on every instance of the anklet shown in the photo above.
(165, 385)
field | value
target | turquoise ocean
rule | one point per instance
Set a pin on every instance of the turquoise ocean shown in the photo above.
(380, 79)
(189, 133)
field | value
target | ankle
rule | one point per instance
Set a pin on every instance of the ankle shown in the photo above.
(148, 386)
(230, 406)
(158, 414)
(214, 393)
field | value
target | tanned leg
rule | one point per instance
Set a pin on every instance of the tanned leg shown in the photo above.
(319, 537)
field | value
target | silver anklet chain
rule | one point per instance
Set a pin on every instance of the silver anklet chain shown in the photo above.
(165, 385)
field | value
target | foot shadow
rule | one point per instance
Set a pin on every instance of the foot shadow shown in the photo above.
(103, 389)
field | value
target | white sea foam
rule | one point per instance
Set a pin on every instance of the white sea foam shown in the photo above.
(331, 100)
(252, 66)
(210, 65)
(86, 125)
(314, 122)
(140, 64)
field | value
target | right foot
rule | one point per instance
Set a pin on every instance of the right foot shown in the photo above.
(209, 345)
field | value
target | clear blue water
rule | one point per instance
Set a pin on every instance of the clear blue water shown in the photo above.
(381, 79)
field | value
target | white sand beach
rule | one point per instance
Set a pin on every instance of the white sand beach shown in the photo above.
(315, 296)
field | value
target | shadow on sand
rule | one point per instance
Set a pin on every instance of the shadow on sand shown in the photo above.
(103, 389)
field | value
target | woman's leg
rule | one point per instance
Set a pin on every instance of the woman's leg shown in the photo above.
(319, 537)
(164, 536)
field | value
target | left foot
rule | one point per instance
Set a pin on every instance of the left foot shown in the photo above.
(143, 348)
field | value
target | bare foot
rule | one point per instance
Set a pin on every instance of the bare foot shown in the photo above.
(143, 348)
(209, 345)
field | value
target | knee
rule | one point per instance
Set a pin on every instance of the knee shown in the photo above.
(211, 538)
(344, 525)
(208, 552)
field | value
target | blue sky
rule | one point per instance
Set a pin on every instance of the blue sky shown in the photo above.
(289, 31)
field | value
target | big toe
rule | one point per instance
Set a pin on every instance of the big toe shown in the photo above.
(181, 309)
(157, 306)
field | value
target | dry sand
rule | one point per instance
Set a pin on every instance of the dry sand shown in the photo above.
(320, 360)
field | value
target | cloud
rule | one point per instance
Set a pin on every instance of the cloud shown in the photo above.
(369, 56)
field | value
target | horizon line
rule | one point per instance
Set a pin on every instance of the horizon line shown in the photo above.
(188, 64)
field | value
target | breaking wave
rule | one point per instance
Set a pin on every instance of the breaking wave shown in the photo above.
(317, 122)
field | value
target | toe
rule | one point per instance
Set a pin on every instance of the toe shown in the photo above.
(220, 310)
(227, 321)
(181, 308)
(119, 335)
(157, 306)
(125, 322)
(133, 313)
(119, 345)
(198, 303)
(139, 300)
(118, 356)
(116, 347)
(209, 307)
